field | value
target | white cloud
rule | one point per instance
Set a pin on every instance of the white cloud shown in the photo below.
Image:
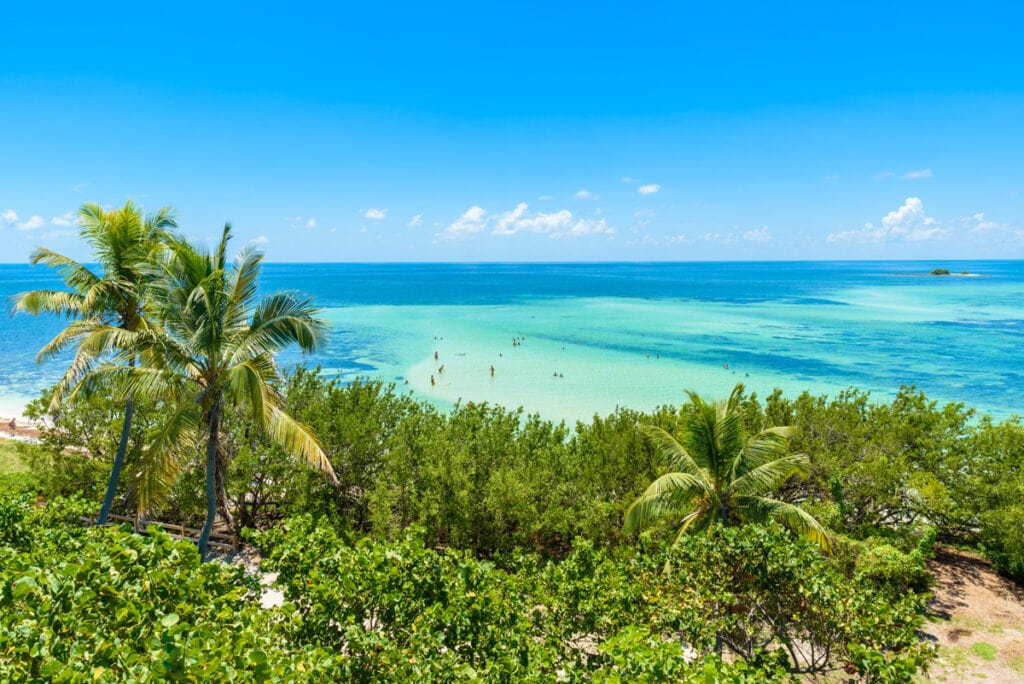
(586, 194)
(629, 179)
(915, 175)
(32, 223)
(506, 223)
(648, 189)
(376, 214)
(544, 198)
(555, 224)
(757, 235)
(644, 213)
(908, 223)
(261, 240)
(65, 219)
(979, 225)
(882, 175)
(710, 237)
(300, 222)
(590, 227)
(471, 221)
(415, 221)
(8, 217)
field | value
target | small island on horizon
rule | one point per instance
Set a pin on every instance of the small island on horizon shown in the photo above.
(941, 272)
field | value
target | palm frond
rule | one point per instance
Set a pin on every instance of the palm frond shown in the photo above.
(670, 492)
(768, 476)
(164, 458)
(674, 453)
(279, 321)
(794, 518)
(77, 276)
(36, 302)
(762, 448)
(250, 382)
(298, 439)
(67, 336)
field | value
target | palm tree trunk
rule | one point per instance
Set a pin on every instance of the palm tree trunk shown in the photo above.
(115, 471)
(222, 490)
(122, 449)
(211, 478)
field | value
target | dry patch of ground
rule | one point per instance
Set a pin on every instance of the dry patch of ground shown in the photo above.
(977, 619)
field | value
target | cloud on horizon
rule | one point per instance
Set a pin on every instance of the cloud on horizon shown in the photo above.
(908, 223)
(648, 189)
(557, 224)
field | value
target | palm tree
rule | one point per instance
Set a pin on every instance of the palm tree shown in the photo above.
(218, 340)
(102, 303)
(718, 474)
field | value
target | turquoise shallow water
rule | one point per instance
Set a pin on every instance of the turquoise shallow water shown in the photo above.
(640, 334)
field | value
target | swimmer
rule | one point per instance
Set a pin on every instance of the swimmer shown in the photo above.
(492, 371)
(441, 369)
(435, 356)
(432, 381)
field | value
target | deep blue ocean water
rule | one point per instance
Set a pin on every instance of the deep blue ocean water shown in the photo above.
(821, 326)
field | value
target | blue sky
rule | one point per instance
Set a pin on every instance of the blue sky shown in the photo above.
(524, 131)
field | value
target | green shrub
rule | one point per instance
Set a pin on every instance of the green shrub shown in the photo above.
(892, 570)
(110, 605)
(1002, 539)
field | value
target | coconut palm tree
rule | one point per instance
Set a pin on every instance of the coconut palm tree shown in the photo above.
(102, 303)
(214, 352)
(719, 474)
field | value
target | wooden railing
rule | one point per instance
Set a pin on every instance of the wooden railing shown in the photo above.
(218, 540)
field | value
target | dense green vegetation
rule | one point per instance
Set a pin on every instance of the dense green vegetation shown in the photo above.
(491, 480)
(430, 508)
(104, 604)
(478, 544)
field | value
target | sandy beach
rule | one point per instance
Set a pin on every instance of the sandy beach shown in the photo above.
(13, 408)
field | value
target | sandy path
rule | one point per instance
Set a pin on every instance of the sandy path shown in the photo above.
(978, 621)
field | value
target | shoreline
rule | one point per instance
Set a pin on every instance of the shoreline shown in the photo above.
(13, 407)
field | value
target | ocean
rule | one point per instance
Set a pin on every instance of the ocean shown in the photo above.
(569, 341)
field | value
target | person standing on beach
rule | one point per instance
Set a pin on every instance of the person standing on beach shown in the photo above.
(13, 425)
